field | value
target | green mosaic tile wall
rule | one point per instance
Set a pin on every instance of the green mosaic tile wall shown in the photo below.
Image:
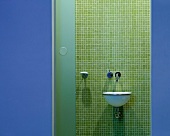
(115, 35)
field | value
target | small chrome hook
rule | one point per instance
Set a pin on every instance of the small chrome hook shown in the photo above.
(84, 74)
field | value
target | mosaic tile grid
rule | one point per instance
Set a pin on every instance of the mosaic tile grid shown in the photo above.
(112, 35)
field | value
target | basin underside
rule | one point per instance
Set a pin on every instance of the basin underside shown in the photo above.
(117, 99)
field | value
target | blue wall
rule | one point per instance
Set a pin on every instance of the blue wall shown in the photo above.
(160, 67)
(25, 68)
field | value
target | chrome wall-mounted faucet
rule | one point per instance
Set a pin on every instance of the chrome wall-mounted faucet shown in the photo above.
(117, 76)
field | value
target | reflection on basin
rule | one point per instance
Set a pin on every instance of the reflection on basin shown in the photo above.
(117, 99)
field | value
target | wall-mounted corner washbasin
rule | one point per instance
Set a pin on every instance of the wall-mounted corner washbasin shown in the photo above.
(117, 99)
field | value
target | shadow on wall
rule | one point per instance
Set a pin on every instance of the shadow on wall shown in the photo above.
(108, 125)
(104, 125)
(108, 86)
(119, 124)
(86, 94)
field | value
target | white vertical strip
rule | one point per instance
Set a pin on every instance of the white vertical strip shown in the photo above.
(52, 7)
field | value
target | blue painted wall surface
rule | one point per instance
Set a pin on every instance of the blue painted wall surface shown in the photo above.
(25, 68)
(160, 67)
